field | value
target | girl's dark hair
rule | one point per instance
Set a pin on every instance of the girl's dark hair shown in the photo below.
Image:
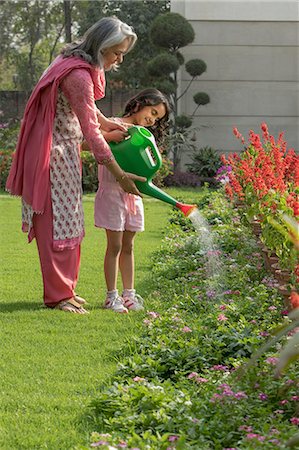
(150, 97)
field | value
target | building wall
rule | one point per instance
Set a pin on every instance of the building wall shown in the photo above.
(251, 51)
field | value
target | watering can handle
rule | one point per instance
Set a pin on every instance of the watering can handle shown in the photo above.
(157, 155)
(148, 139)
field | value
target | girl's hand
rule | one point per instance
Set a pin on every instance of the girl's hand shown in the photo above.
(127, 184)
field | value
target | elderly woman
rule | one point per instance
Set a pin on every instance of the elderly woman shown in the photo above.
(46, 170)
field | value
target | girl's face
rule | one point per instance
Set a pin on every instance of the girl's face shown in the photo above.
(115, 55)
(149, 115)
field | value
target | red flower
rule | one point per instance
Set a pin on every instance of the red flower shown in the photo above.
(294, 299)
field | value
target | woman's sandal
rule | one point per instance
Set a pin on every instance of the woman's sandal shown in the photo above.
(80, 300)
(71, 305)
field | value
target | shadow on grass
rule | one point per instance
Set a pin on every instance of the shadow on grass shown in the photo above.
(20, 306)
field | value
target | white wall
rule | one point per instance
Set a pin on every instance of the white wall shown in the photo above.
(251, 52)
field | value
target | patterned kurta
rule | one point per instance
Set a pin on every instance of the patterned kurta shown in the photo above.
(65, 162)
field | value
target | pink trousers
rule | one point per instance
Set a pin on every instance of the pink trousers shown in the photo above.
(60, 269)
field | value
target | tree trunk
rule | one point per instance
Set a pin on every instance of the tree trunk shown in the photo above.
(67, 20)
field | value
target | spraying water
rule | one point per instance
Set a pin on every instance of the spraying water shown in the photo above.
(209, 249)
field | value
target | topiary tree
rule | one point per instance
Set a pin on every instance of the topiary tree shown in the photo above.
(169, 32)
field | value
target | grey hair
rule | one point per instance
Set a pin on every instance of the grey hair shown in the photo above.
(105, 33)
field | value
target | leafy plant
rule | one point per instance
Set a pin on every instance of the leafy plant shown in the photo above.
(89, 172)
(205, 162)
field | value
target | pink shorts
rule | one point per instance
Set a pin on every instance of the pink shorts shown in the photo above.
(116, 210)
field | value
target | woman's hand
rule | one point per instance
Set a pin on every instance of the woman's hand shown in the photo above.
(109, 125)
(127, 184)
(115, 135)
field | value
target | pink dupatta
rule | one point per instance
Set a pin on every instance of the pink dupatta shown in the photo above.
(30, 171)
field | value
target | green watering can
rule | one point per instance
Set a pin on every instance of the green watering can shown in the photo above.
(139, 154)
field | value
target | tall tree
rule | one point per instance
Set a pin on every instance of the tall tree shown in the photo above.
(170, 32)
(139, 14)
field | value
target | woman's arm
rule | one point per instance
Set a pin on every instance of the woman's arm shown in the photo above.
(78, 89)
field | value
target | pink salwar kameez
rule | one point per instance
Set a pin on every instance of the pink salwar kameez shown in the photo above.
(46, 171)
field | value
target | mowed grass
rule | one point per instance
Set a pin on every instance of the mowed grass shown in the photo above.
(51, 362)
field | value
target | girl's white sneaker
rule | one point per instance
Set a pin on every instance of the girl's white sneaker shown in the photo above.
(133, 301)
(116, 304)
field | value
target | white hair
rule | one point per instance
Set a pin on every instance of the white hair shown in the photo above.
(105, 33)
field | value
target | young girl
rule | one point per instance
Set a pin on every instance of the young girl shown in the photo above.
(121, 214)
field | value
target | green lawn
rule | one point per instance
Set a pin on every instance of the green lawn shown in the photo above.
(51, 363)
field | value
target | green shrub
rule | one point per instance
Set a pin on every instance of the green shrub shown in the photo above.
(89, 172)
(5, 163)
(205, 162)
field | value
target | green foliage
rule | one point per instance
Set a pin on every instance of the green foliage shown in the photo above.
(5, 164)
(163, 64)
(180, 58)
(183, 121)
(167, 86)
(171, 31)
(196, 67)
(89, 172)
(30, 36)
(184, 374)
(9, 134)
(205, 162)
(201, 98)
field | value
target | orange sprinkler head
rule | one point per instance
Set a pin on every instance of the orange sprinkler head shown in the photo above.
(186, 209)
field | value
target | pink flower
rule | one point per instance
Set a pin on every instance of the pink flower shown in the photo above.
(173, 438)
(138, 379)
(153, 314)
(97, 444)
(220, 367)
(245, 428)
(222, 307)
(295, 398)
(283, 402)
(294, 420)
(186, 330)
(192, 375)
(240, 395)
(263, 396)
(146, 322)
(272, 360)
(201, 380)
(264, 333)
(279, 411)
(222, 318)
(255, 436)
(272, 308)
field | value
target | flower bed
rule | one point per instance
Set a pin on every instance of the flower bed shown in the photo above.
(181, 384)
(264, 179)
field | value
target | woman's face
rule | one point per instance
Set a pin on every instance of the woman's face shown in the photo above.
(149, 115)
(115, 55)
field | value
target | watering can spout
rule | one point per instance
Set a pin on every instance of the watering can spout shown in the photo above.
(139, 154)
